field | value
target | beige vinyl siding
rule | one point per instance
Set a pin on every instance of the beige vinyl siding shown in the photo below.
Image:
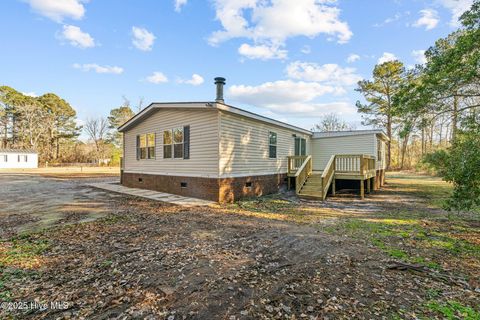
(244, 146)
(324, 148)
(381, 163)
(203, 160)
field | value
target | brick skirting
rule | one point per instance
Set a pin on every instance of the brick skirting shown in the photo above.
(215, 189)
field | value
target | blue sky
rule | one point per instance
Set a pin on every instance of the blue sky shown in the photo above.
(290, 60)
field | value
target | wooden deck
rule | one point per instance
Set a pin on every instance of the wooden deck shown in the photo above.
(316, 184)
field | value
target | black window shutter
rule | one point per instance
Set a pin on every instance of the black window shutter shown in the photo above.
(186, 142)
(138, 147)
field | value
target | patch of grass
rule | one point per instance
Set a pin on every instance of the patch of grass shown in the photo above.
(454, 310)
(9, 274)
(113, 219)
(423, 261)
(392, 252)
(450, 244)
(397, 253)
(22, 252)
(106, 263)
(271, 203)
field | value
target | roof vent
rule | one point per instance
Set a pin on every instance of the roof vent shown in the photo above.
(220, 82)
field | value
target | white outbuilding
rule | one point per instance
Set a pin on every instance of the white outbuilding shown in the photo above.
(18, 159)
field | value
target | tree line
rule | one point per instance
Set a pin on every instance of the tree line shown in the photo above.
(431, 112)
(48, 124)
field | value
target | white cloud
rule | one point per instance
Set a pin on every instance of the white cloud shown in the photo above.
(289, 97)
(301, 109)
(280, 92)
(387, 56)
(58, 10)
(142, 38)
(262, 52)
(179, 4)
(389, 20)
(271, 23)
(419, 56)
(98, 69)
(428, 19)
(353, 57)
(457, 8)
(306, 50)
(76, 37)
(157, 78)
(330, 73)
(196, 80)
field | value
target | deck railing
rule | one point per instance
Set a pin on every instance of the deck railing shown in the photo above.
(302, 171)
(328, 175)
(354, 163)
(295, 162)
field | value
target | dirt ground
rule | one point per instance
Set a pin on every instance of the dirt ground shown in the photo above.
(33, 202)
(396, 255)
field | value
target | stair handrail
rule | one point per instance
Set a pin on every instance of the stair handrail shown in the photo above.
(327, 176)
(302, 174)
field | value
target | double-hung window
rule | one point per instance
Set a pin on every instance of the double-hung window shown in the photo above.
(151, 145)
(146, 146)
(176, 143)
(272, 145)
(167, 144)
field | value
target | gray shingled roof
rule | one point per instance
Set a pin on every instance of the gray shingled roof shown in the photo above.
(330, 134)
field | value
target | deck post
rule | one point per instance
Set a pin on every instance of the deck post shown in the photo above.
(368, 185)
(333, 186)
(289, 183)
(362, 190)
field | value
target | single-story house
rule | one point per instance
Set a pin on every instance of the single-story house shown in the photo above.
(215, 151)
(18, 159)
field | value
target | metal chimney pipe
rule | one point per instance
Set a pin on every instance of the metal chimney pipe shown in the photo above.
(220, 82)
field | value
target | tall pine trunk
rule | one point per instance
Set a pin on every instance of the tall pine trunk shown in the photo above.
(454, 117)
(389, 135)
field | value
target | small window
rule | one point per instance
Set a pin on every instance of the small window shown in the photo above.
(151, 146)
(272, 145)
(18, 159)
(167, 144)
(183, 184)
(248, 184)
(4, 158)
(146, 146)
(178, 143)
(143, 146)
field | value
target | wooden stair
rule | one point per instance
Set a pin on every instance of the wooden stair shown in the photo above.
(315, 186)
(312, 189)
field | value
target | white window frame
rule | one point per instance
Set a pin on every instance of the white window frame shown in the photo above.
(270, 144)
(178, 143)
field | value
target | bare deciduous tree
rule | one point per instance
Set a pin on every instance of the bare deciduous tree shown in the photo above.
(97, 130)
(331, 122)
